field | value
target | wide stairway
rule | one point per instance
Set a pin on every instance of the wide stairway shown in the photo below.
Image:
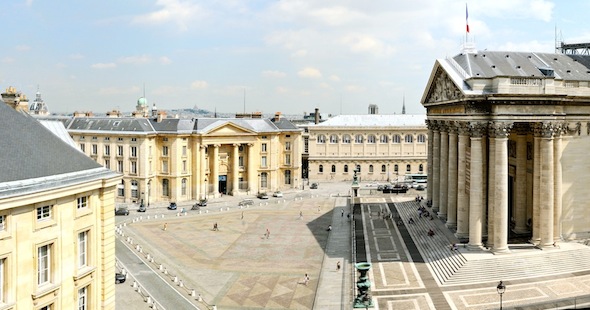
(469, 267)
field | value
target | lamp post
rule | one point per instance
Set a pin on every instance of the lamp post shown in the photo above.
(148, 191)
(258, 183)
(206, 188)
(501, 288)
(387, 172)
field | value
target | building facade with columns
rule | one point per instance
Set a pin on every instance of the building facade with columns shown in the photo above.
(510, 132)
(57, 232)
(381, 148)
(171, 159)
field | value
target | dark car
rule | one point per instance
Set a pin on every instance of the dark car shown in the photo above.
(420, 187)
(314, 185)
(122, 211)
(142, 208)
(246, 202)
(202, 203)
(262, 196)
(172, 206)
(120, 278)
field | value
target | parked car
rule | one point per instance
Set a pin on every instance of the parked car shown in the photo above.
(120, 278)
(277, 194)
(142, 208)
(314, 185)
(172, 206)
(202, 203)
(262, 196)
(420, 187)
(246, 202)
(122, 211)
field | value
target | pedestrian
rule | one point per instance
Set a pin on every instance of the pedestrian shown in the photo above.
(338, 266)
(329, 228)
(319, 209)
(165, 226)
(342, 212)
(267, 233)
(242, 215)
(215, 227)
(306, 279)
(300, 214)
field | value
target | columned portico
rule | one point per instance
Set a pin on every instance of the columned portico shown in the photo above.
(476, 186)
(500, 188)
(430, 125)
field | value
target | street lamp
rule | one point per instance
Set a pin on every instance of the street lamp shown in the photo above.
(206, 188)
(258, 183)
(387, 172)
(148, 191)
(501, 289)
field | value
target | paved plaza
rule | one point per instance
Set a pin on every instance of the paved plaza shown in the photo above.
(240, 266)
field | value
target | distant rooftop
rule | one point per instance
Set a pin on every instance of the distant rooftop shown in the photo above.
(374, 120)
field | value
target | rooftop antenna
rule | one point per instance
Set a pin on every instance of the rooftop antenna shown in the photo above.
(404, 104)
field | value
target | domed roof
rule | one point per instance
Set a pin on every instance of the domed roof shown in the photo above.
(142, 101)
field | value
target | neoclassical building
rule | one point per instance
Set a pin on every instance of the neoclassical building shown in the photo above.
(510, 136)
(173, 159)
(57, 239)
(380, 147)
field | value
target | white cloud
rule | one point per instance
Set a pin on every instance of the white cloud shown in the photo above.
(355, 88)
(165, 60)
(182, 13)
(361, 43)
(29, 3)
(7, 60)
(273, 74)
(520, 9)
(299, 53)
(282, 90)
(310, 72)
(336, 16)
(104, 65)
(167, 90)
(76, 56)
(136, 60)
(335, 78)
(325, 85)
(199, 85)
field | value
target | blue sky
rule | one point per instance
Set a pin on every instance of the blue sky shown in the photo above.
(286, 55)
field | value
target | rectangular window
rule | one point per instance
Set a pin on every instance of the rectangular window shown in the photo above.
(287, 159)
(94, 149)
(133, 167)
(165, 166)
(43, 213)
(119, 150)
(121, 189)
(83, 249)
(133, 139)
(164, 151)
(94, 138)
(83, 298)
(120, 166)
(2, 222)
(107, 138)
(83, 202)
(263, 147)
(134, 151)
(241, 161)
(287, 146)
(164, 139)
(184, 166)
(107, 150)
(107, 163)
(43, 264)
(48, 307)
(306, 145)
(184, 150)
(119, 139)
(2, 284)
(83, 147)
(263, 161)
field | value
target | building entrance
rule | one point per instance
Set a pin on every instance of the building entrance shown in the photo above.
(223, 184)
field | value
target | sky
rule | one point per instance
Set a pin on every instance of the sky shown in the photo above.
(288, 56)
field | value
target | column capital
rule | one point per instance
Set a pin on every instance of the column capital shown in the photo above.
(462, 128)
(250, 144)
(236, 145)
(499, 129)
(453, 127)
(216, 145)
(477, 129)
(203, 146)
(545, 129)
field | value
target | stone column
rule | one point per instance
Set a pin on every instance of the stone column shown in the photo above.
(520, 183)
(435, 170)
(476, 185)
(462, 196)
(500, 211)
(430, 125)
(203, 172)
(252, 169)
(557, 203)
(215, 169)
(491, 196)
(536, 186)
(452, 179)
(546, 186)
(236, 170)
(444, 172)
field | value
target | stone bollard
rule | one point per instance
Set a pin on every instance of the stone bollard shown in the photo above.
(149, 300)
(139, 290)
(148, 217)
(220, 209)
(165, 271)
(207, 211)
(162, 215)
(193, 293)
(175, 279)
(161, 267)
(149, 256)
(141, 217)
(227, 209)
(241, 207)
(214, 307)
(125, 224)
(180, 283)
(155, 216)
(134, 284)
(123, 271)
(199, 298)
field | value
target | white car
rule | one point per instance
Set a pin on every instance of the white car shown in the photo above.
(277, 194)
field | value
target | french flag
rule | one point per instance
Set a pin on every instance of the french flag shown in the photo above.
(467, 17)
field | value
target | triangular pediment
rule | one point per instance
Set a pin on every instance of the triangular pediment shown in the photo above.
(442, 88)
(229, 129)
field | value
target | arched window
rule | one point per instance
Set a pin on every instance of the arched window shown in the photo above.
(165, 187)
(264, 180)
(396, 168)
(346, 139)
(384, 139)
(345, 168)
(183, 187)
(383, 168)
(121, 189)
(321, 139)
(358, 139)
(371, 139)
(134, 189)
(321, 169)
(421, 168)
(409, 139)
(287, 176)
(421, 138)
(333, 139)
(370, 168)
(333, 168)
(396, 139)
(408, 168)
(358, 168)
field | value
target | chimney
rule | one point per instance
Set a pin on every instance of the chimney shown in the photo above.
(277, 116)
(161, 116)
(317, 115)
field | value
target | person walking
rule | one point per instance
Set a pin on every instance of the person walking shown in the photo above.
(341, 212)
(267, 233)
(165, 226)
(300, 215)
(306, 279)
(338, 266)
(215, 227)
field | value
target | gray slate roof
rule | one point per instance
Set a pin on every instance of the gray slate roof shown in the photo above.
(29, 151)
(109, 124)
(374, 120)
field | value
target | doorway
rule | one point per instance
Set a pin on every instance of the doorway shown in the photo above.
(223, 184)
